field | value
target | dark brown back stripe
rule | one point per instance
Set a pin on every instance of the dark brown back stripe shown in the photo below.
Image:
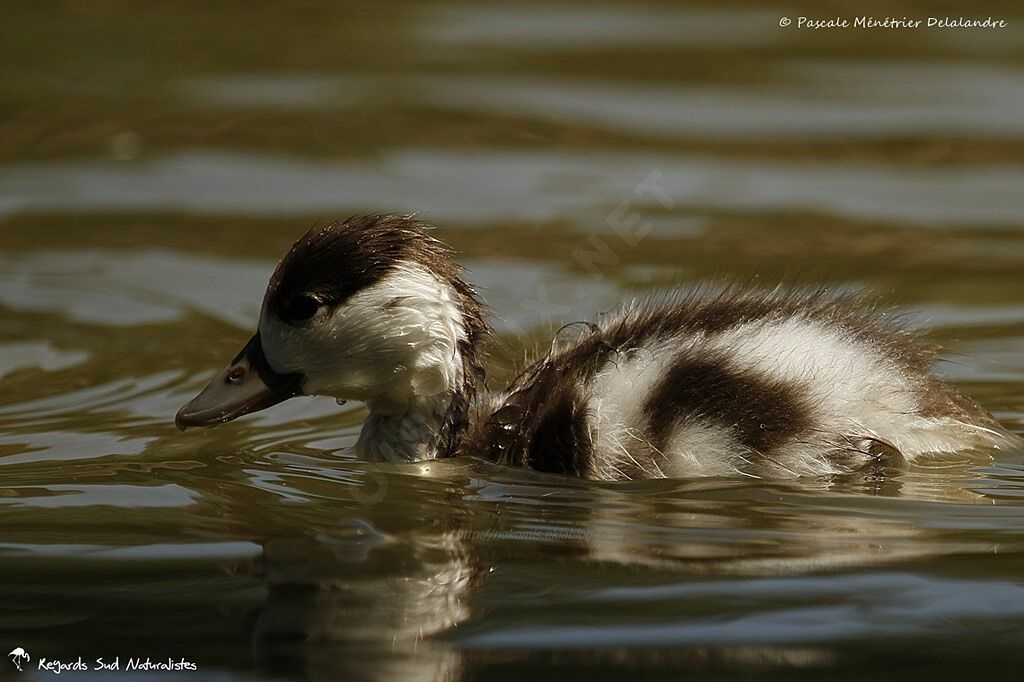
(561, 443)
(761, 414)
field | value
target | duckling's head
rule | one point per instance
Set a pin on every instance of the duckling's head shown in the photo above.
(372, 308)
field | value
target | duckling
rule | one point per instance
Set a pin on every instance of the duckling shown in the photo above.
(739, 382)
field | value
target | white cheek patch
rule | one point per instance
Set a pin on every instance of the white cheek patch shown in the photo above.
(395, 340)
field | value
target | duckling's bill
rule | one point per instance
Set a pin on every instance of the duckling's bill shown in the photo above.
(248, 384)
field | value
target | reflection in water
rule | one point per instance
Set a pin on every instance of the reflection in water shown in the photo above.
(127, 289)
(281, 92)
(820, 100)
(323, 615)
(15, 356)
(351, 601)
(129, 497)
(489, 185)
(419, 615)
(444, 570)
(150, 177)
(566, 28)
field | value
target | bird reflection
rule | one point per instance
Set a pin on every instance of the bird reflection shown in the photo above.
(473, 558)
(356, 604)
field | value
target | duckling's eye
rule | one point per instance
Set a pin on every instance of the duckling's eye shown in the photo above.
(302, 307)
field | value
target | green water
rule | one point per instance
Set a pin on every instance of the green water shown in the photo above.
(156, 160)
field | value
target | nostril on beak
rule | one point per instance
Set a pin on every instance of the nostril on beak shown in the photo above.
(235, 375)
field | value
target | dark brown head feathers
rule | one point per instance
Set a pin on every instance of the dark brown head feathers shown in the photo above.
(331, 263)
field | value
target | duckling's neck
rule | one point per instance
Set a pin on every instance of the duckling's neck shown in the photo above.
(418, 409)
(409, 433)
(425, 427)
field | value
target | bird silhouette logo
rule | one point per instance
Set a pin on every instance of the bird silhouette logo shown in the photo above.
(18, 657)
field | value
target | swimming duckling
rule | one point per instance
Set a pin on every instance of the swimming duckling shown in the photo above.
(740, 382)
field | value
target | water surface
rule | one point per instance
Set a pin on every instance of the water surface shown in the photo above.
(154, 165)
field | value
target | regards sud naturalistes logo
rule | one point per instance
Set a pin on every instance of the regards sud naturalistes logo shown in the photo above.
(21, 660)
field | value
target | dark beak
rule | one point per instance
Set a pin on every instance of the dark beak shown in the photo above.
(247, 385)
